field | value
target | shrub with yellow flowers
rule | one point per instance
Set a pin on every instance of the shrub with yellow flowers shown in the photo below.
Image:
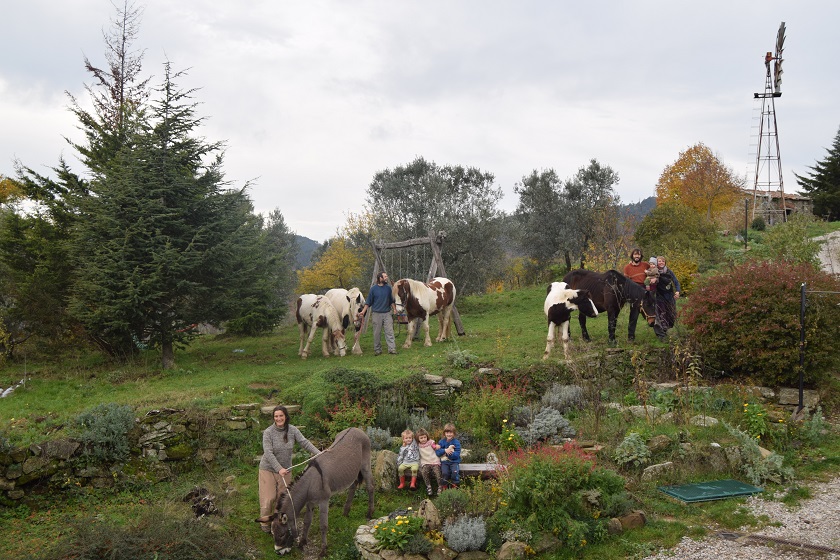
(395, 533)
(509, 440)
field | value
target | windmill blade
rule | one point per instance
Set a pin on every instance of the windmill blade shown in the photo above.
(777, 66)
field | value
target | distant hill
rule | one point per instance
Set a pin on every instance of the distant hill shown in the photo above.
(638, 210)
(306, 247)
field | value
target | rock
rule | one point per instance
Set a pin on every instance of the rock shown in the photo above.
(545, 542)
(765, 393)
(384, 469)
(659, 443)
(453, 383)
(6, 484)
(644, 411)
(788, 396)
(667, 386)
(236, 425)
(655, 471)
(667, 418)
(510, 550)
(365, 542)
(473, 555)
(246, 406)
(388, 554)
(614, 526)
(441, 552)
(716, 456)
(764, 452)
(432, 379)
(61, 449)
(489, 371)
(633, 520)
(430, 515)
(703, 421)
(269, 410)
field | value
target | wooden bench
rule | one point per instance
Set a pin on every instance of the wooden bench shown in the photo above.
(481, 470)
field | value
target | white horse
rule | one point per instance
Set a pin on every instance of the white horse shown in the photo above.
(317, 312)
(347, 303)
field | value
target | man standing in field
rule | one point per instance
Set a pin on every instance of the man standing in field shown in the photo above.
(635, 271)
(382, 305)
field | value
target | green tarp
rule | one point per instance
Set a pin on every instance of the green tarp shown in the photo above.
(712, 490)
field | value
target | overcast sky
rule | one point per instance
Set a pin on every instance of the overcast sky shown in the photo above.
(313, 97)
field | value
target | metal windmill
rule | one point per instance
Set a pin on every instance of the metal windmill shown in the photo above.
(768, 161)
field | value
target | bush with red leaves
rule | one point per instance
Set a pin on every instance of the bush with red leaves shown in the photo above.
(746, 321)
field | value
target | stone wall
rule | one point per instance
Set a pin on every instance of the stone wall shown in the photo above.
(163, 442)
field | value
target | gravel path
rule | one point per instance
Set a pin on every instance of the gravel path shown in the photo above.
(830, 252)
(815, 521)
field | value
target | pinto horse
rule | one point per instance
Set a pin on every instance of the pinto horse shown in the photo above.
(421, 301)
(609, 291)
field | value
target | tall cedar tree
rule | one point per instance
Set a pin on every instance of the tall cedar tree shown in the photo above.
(823, 183)
(162, 237)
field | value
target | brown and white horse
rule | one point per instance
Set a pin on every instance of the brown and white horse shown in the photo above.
(421, 301)
(314, 312)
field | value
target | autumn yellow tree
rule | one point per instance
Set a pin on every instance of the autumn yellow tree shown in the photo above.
(699, 179)
(9, 190)
(339, 267)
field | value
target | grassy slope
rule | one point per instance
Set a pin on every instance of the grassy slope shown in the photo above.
(506, 330)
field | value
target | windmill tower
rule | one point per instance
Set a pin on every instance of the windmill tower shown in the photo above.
(769, 184)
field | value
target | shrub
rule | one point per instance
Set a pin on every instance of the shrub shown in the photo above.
(509, 439)
(546, 426)
(811, 431)
(452, 503)
(481, 412)
(356, 384)
(393, 413)
(103, 431)
(170, 531)
(758, 224)
(632, 451)
(747, 322)
(396, 533)
(560, 491)
(418, 544)
(563, 398)
(462, 359)
(379, 438)
(465, 533)
(347, 414)
(755, 466)
(790, 242)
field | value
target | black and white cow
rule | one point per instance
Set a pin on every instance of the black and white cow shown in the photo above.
(560, 301)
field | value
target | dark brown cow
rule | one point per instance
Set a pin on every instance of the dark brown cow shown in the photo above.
(421, 301)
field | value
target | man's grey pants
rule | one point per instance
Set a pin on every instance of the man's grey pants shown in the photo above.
(381, 320)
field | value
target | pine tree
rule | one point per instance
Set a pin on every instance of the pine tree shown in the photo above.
(823, 183)
(164, 244)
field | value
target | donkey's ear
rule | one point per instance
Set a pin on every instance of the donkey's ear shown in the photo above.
(283, 519)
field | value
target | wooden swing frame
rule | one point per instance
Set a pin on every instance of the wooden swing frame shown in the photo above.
(435, 240)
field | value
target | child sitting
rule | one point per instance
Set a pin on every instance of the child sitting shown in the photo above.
(449, 451)
(429, 462)
(408, 459)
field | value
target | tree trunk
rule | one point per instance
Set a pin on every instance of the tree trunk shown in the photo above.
(167, 355)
